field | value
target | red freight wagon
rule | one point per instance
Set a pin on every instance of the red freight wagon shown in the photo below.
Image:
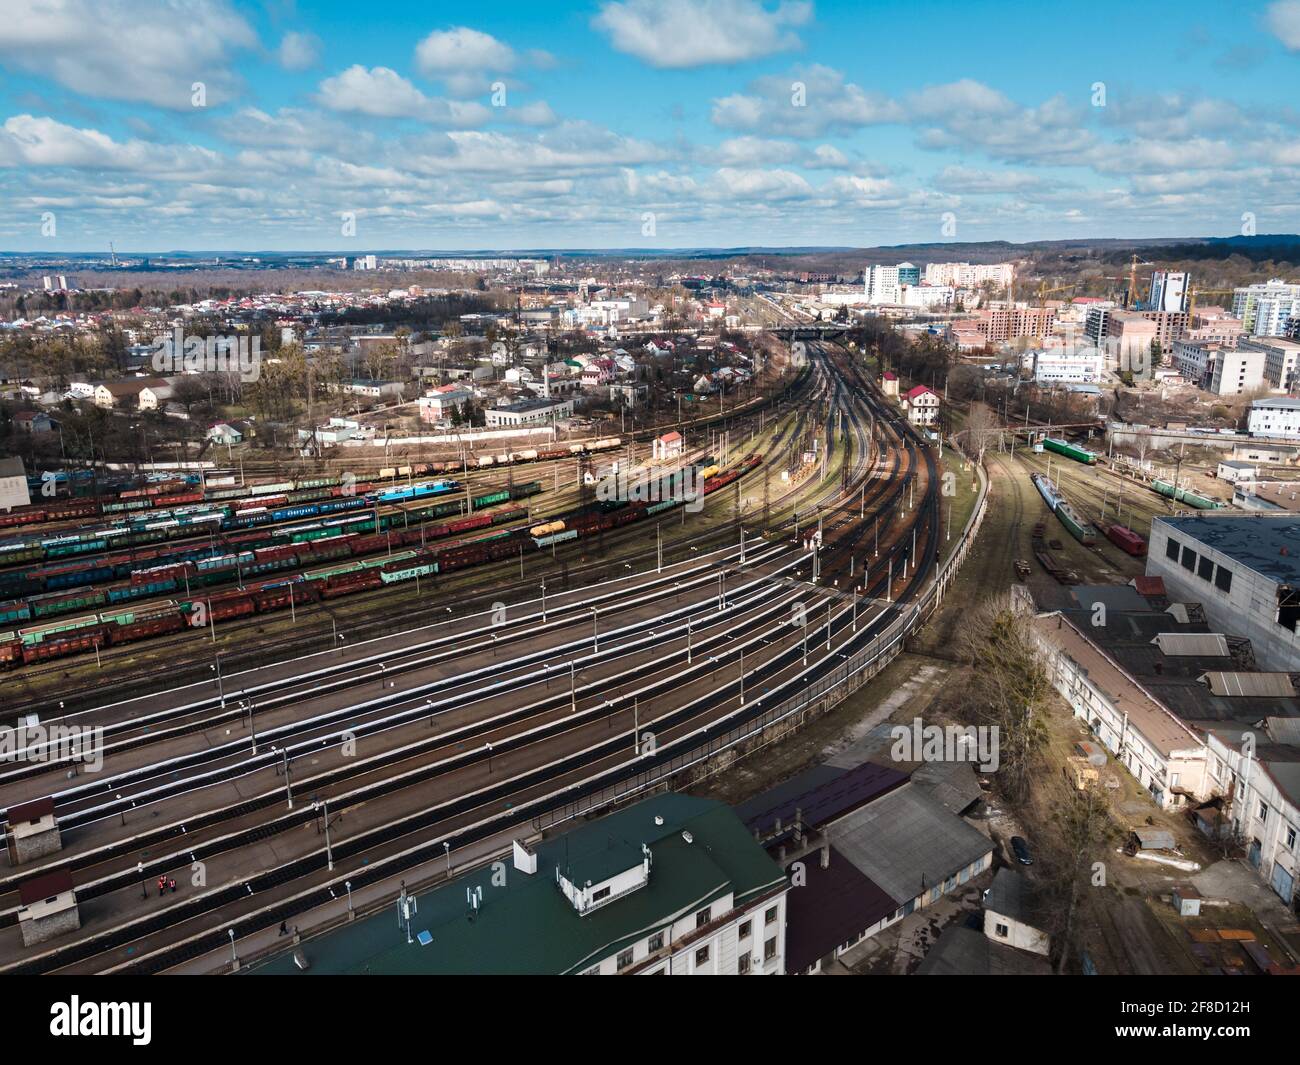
(73, 644)
(266, 554)
(479, 521)
(234, 607)
(143, 630)
(179, 500)
(278, 598)
(1126, 540)
(322, 551)
(346, 583)
(59, 511)
(162, 573)
(364, 545)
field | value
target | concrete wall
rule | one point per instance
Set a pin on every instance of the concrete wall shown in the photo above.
(1248, 609)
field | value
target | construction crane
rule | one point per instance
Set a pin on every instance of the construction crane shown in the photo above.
(1044, 289)
(1133, 280)
(1195, 292)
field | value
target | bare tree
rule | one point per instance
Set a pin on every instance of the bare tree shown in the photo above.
(1009, 688)
(982, 429)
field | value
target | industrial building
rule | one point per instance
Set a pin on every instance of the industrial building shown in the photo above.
(865, 847)
(1245, 573)
(528, 412)
(1259, 769)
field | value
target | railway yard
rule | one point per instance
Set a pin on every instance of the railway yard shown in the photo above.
(301, 737)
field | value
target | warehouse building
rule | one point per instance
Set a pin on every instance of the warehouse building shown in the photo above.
(866, 847)
(1259, 770)
(528, 412)
(1244, 571)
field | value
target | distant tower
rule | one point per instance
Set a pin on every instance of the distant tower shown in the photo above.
(1169, 291)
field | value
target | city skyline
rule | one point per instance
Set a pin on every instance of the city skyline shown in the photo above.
(207, 125)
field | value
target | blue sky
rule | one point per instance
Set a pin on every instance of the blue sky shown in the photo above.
(640, 123)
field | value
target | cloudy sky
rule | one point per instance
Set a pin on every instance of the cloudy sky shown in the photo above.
(220, 124)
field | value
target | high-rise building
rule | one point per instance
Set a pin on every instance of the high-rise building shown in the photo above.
(908, 274)
(1281, 360)
(1273, 314)
(880, 284)
(1169, 291)
(1247, 298)
(969, 275)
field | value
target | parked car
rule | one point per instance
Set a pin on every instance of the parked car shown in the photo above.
(1021, 850)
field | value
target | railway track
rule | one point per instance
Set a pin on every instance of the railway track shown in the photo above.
(457, 743)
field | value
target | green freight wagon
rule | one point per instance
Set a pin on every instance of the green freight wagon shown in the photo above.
(1182, 495)
(1061, 447)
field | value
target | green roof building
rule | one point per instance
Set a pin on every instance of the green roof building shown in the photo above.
(671, 885)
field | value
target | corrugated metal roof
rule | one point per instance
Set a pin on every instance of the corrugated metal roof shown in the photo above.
(1273, 685)
(908, 842)
(1192, 643)
(1284, 729)
(820, 794)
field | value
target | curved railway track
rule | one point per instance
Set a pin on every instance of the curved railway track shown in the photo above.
(472, 743)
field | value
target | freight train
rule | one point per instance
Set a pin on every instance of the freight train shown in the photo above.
(1125, 539)
(403, 560)
(230, 558)
(1182, 495)
(1081, 529)
(1062, 447)
(250, 514)
(162, 495)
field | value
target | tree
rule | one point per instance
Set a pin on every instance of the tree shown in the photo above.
(1084, 829)
(982, 429)
(1009, 688)
(189, 391)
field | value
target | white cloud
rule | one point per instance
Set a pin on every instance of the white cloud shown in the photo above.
(463, 51)
(383, 93)
(808, 102)
(1283, 20)
(965, 97)
(30, 141)
(145, 51)
(750, 151)
(676, 34)
(974, 180)
(298, 51)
